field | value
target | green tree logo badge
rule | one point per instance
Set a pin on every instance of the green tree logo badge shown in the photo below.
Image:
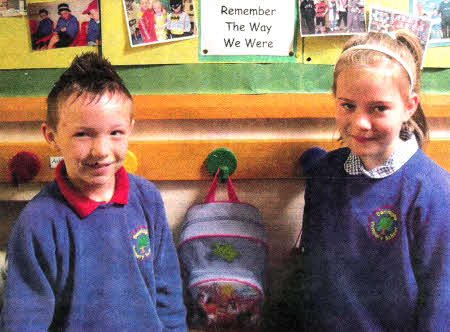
(141, 246)
(383, 224)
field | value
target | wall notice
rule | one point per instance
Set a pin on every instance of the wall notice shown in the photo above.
(251, 27)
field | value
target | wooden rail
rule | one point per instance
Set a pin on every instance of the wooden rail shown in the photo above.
(184, 159)
(216, 106)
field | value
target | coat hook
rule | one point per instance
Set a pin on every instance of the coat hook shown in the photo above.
(224, 160)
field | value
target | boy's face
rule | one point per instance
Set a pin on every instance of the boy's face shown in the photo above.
(93, 13)
(65, 14)
(92, 136)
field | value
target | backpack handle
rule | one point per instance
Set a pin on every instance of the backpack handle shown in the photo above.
(211, 195)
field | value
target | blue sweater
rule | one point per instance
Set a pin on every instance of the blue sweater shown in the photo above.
(93, 32)
(45, 27)
(376, 250)
(71, 25)
(114, 270)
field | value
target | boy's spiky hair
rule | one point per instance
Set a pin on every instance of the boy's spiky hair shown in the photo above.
(89, 74)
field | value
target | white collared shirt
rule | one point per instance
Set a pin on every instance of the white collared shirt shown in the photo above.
(401, 154)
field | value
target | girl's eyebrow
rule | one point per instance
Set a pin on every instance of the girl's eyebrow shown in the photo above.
(344, 99)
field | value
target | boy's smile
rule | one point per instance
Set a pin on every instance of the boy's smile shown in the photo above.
(92, 136)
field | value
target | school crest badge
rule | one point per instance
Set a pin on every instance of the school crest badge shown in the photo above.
(383, 224)
(141, 242)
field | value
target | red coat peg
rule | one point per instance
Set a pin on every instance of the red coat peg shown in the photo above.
(23, 167)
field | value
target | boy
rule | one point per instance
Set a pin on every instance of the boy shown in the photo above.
(178, 21)
(93, 32)
(93, 250)
(45, 28)
(66, 28)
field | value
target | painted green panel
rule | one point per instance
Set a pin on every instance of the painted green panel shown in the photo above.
(242, 78)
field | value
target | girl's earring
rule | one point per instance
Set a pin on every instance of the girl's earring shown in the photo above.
(406, 131)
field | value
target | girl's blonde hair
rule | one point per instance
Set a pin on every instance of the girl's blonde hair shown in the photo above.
(406, 46)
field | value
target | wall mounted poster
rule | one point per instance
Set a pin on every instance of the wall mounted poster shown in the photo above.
(64, 24)
(439, 13)
(251, 27)
(332, 17)
(388, 20)
(159, 21)
(12, 8)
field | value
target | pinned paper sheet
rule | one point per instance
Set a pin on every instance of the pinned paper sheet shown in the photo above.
(252, 27)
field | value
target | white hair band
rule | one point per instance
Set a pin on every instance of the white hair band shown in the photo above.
(387, 52)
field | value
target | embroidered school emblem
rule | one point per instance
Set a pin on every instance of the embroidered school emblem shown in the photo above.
(141, 242)
(383, 224)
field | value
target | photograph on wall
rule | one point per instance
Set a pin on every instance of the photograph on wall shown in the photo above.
(159, 21)
(12, 8)
(64, 24)
(389, 20)
(332, 17)
(438, 11)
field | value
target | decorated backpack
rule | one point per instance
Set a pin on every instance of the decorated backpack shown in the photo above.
(222, 251)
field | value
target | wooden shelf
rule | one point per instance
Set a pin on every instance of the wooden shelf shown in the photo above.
(216, 106)
(184, 159)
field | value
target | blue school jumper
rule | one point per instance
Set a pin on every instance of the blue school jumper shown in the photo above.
(376, 251)
(78, 265)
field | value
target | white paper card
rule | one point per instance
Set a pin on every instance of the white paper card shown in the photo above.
(250, 27)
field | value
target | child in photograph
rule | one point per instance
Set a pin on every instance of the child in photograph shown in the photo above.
(93, 32)
(44, 29)
(133, 16)
(66, 28)
(375, 236)
(353, 16)
(160, 20)
(178, 21)
(444, 10)
(321, 12)
(92, 251)
(436, 32)
(146, 21)
(342, 13)
(308, 12)
(333, 14)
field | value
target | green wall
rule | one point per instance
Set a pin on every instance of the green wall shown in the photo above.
(246, 78)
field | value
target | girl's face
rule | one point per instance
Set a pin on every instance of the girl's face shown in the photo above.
(157, 7)
(370, 110)
(145, 4)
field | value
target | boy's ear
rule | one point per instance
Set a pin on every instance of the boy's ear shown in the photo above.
(131, 126)
(50, 136)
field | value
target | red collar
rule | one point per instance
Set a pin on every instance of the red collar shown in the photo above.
(84, 205)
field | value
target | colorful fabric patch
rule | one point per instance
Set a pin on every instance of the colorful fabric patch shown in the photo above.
(141, 242)
(383, 224)
(225, 251)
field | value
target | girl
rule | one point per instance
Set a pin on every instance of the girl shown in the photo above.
(375, 228)
(160, 20)
(147, 21)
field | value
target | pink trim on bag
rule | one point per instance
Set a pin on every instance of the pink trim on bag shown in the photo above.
(211, 195)
(229, 279)
(252, 238)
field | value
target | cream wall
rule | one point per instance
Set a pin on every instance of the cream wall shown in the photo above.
(280, 201)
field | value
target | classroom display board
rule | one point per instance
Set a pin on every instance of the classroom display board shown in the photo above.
(117, 36)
